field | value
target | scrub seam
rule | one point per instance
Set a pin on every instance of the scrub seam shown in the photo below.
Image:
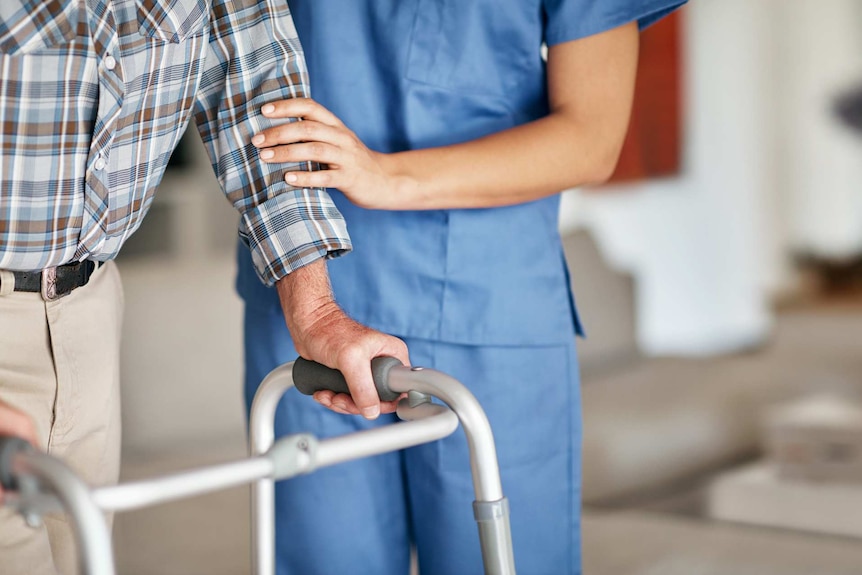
(445, 290)
(574, 507)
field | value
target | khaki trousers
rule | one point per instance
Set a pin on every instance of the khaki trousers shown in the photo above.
(59, 363)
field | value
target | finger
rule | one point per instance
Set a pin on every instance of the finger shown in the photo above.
(17, 424)
(300, 108)
(337, 402)
(343, 406)
(355, 365)
(397, 349)
(388, 406)
(324, 397)
(306, 131)
(303, 152)
(383, 345)
(329, 178)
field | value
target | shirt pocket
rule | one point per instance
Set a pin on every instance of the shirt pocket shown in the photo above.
(472, 46)
(28, 27)
(172, 21)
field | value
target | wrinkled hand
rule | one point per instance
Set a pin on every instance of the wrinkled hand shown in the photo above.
(337, 341)
(16, 424)
(322, 332)
(361, 174)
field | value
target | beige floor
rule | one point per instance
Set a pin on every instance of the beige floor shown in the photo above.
(208, 536)
(642, 543)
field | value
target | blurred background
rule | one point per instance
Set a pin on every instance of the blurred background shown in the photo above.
(720, 280)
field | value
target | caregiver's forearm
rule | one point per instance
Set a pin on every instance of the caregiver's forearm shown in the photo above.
(591, 86)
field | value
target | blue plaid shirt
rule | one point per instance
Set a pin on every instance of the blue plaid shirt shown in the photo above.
(94, 96)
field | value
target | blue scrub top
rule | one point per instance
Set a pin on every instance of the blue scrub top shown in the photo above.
(407, 74)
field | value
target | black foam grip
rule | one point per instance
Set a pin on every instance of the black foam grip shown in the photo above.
(9, 447)
(310, 376)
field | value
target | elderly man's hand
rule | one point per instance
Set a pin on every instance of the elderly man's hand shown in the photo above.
(16, 424)
(322, 332)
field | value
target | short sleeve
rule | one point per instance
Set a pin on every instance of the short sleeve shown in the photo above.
(573, 19)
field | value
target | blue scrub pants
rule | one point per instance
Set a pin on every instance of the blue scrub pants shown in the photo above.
(361, 517)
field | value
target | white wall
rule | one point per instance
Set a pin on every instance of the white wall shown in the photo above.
(182, 335)
(819, 55)
(696, 244)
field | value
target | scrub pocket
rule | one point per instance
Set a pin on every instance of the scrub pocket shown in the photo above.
(472, 46)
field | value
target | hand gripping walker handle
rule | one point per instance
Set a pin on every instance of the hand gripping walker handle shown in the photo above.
(310, 376)
(9, 448)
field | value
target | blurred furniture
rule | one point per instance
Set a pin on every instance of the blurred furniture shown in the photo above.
(657, 422)
(757, 494)
(631, 542)
(652, 422)
(817, 438)
(811, 476)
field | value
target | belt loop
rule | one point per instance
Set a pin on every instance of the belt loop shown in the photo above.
(7, 282)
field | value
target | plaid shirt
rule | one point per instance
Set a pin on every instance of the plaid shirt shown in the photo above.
(94, 96)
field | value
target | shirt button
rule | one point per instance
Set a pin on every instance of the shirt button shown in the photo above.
(100, 163)
(110, 62)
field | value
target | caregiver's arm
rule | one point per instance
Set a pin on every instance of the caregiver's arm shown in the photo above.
(591, 85)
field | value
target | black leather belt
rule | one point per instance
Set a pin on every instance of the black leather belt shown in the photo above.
(56, 282)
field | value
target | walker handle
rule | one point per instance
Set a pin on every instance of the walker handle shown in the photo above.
(10, 447)
(310, 376)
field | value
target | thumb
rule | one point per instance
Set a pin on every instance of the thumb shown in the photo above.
(356, 369)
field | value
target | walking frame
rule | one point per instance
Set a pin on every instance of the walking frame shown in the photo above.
(36, 483)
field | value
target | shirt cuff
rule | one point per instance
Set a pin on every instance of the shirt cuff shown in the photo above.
(292, 229)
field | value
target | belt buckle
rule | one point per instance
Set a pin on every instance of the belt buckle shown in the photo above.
(49, 284)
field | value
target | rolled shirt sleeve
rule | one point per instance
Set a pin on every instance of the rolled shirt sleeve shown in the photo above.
(254, 57)
(574, 19)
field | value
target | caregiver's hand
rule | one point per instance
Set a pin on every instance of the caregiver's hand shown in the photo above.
(322, 332)
(361, 174)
